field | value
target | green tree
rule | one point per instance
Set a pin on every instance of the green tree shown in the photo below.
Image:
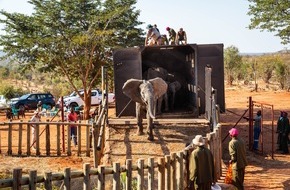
(232, 61)
(71, 38)
(266, 66)
(281, 74)
(272, 16)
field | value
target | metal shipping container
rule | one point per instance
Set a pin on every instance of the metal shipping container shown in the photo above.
(185, 63)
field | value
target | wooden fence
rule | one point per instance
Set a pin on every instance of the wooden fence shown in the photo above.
(19, 141)
(168, 172)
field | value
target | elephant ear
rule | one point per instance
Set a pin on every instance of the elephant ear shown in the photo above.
(131, 89)
(159, 86)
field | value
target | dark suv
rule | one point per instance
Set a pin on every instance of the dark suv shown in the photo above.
(29, 101)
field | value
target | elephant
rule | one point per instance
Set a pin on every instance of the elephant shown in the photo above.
(173, 87)
(145, 93)
(154, 72)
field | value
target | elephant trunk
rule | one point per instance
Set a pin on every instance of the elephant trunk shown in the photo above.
(151, 107)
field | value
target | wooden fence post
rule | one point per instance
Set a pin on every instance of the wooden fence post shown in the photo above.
(68, 141)
(140, 176)
(67, 178)
(47, 142)
(58, 152)
(37, 139)
(180, 174)
(9, 152)
(79, 138)
(88, 139)
(173, 170)
(32, 179)
(20, 139)
(116, 176)
(161, 176)
(95, 139)
(167, 172)
(101, 178)
(28, 139)
(87, 182)
(150, 173)
(128, 174)
(17, 175)
(48, 180)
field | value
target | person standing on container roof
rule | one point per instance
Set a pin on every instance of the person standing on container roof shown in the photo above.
(153, 36)
(172, 35)
(181, 38)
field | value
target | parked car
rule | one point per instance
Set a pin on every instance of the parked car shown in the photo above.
(29, 101)
(3, 102)
(74, 100)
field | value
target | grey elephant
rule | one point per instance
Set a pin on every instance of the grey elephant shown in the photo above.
(145, 93)
(173, 87)
(160, 72)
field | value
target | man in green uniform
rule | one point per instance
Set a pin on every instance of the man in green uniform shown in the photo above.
(201, 166)
(238, 160)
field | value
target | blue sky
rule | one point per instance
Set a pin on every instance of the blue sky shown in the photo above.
(205, 21)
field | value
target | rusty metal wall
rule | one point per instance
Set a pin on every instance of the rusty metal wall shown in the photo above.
(211, 54)
(127, 64)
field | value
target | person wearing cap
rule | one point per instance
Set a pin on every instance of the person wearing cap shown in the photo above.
(201, 166)
(181, 38)
(237, 151)
(153, 36)
(34, 119)
(172, 35)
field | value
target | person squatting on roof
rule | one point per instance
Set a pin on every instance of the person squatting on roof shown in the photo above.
(152, 37)
(181, 38)
(201, 166)
(172, 35)
(237, 151)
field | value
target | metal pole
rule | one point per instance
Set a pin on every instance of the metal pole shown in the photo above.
(250, 123)
(272, 131)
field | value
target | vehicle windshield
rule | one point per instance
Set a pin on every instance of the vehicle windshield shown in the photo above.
(24, 96)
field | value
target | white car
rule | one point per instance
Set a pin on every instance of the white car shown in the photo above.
(75, 100)
(3, 102)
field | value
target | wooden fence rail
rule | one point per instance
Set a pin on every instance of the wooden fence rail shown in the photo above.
(168, 172)
(19, 140)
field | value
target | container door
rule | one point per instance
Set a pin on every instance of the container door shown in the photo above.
(211, 55)
(127, 65)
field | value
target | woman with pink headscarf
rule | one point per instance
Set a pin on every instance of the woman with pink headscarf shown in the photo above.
(237, 150)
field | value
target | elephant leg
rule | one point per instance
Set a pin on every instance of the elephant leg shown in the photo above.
(149, 127)
(159, 105)
(139, 119)
(166, 101)
(172, 101)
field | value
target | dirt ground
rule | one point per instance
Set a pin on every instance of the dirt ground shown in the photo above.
(263, 171)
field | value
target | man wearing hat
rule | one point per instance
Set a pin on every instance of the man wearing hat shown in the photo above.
(238, 159)
(201, 166)
(152, 37)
